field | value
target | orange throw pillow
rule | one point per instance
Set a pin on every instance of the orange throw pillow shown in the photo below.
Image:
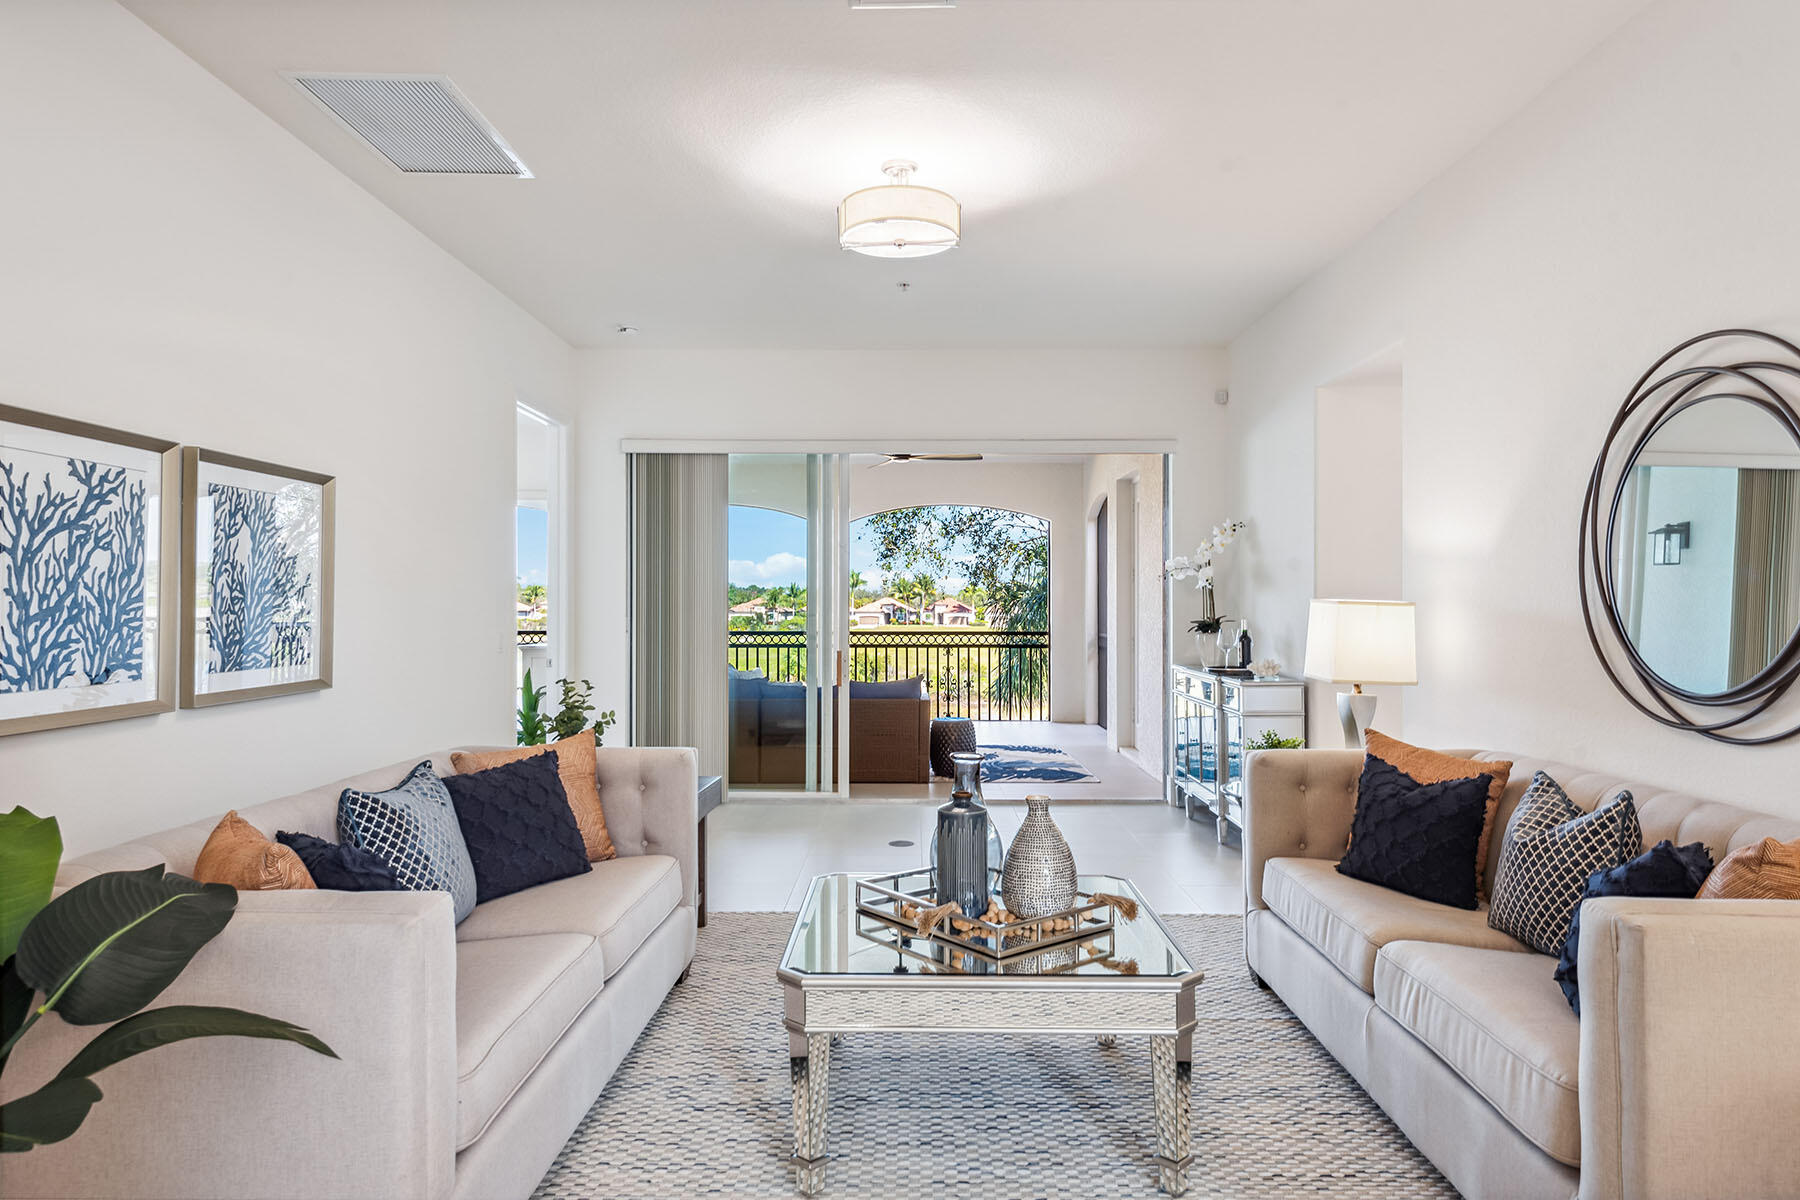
(1769, 870)
(1429, 766)
(575, 767)
(238, 854)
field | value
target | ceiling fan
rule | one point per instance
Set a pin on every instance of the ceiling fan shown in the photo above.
(904, 458)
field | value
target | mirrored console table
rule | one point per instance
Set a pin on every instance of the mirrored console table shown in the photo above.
(1213, 718)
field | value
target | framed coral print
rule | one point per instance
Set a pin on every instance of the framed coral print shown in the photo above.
(256, 579)
(89, 529)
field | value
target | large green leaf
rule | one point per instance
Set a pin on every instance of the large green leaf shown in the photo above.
(50, 1114)
(176, 1023)
(30, 849)
(110, 945)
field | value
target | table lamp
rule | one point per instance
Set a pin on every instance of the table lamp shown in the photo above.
(1358, 642)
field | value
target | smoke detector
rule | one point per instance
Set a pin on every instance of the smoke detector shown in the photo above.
(420, 123)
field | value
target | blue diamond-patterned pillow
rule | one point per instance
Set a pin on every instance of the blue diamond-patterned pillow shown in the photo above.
(412, 827)
(1551, 847)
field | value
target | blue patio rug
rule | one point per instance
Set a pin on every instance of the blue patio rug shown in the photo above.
(1044, 764)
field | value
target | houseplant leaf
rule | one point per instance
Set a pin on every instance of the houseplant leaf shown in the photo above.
(50, 1114)
(30, 849)
(178, 1022)
(110, 945)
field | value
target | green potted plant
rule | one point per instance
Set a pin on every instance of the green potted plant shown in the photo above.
(96, 955)
(571, 718)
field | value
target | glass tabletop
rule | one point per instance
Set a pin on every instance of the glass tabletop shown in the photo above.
(832, 937)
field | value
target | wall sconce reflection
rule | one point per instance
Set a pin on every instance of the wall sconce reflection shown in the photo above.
(1667, 543)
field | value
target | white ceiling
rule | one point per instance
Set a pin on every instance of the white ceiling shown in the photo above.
(1132, 172)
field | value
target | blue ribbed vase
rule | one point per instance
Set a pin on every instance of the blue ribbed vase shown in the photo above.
(962, 853)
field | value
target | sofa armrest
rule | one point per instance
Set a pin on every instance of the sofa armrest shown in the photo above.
(651, 796)
(1689, 1046)
(1297, 804)
(373, 974)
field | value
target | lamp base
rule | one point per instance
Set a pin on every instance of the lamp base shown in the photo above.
(1356, 711)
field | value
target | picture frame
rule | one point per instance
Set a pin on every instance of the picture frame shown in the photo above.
(90, 528)
(257, 573)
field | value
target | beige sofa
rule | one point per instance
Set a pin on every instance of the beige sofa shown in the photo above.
(468, 1053)
(1681, 1078)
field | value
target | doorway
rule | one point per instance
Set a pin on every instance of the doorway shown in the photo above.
(1100, 615)
(540, 616)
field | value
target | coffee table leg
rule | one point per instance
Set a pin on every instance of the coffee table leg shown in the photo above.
(810, 1076)
(1171, 1081)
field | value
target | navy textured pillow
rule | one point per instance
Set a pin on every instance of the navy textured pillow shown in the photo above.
(1417, 838)
(1663, 870)
(338, 867)
(518, 826)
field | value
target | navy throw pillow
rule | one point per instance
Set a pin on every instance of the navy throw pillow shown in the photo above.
(337, 867)
(1663, 870)
(1417, 838)
(518, 826)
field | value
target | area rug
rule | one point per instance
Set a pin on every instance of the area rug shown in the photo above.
(701, 1106)
(1033, 763)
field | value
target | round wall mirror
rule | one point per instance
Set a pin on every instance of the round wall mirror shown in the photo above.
(1706, 546)
(1690, 561)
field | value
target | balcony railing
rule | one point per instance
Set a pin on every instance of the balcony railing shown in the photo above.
(989, 674)
(532, 635)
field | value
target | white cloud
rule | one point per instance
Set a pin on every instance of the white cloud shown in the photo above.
(781, 567)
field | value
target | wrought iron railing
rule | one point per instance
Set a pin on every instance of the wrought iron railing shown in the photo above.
(532, 637)
(987, 674)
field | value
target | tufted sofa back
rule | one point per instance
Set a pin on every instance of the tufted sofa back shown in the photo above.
(1662, 813)
(623, 777)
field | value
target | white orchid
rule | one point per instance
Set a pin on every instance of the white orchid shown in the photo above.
(1198, 566)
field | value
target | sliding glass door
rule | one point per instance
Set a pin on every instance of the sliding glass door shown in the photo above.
(787, 612)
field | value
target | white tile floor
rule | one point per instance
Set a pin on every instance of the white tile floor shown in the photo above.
(762, 855)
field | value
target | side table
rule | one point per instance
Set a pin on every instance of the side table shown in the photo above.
(712, 794)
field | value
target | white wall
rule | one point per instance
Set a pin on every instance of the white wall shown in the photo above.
(1357, 519)
(178, 265)
(1620, 213)
(1049, 490)
(895, 396)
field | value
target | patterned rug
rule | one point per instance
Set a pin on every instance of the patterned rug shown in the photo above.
(701, 1106)
(1045, 763)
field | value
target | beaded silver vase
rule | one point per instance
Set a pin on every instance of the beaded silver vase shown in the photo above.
(1039, 878)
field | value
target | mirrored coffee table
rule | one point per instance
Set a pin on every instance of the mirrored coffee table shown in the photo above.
(846, 973)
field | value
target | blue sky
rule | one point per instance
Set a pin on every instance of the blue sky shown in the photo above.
(769, 548)
(534, 546)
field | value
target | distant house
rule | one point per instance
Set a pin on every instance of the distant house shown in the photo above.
(759, 610)
(950, 611)
(885, 611)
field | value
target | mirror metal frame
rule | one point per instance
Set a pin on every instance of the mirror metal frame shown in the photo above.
(1740, 715)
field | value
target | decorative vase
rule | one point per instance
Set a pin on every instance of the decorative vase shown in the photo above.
(966, 769)
(1039, 878)
(959, 852)
(1205, 642)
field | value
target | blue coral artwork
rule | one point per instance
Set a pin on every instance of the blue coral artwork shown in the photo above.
(79, 574)
(259, 575)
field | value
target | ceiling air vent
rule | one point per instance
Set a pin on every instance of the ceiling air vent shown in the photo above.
(420, 123)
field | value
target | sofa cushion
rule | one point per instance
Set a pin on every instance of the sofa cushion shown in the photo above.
(1417, 838)
(1349, 921)
(1552, 846)
(514, 998)
(238, 854)
(620, 903)
(412, 827)
(1432, 766)
(516, 822)
(1498, 1020)
(575, 766)
(339, 867)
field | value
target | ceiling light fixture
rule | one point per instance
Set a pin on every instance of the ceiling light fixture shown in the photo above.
(899, 219)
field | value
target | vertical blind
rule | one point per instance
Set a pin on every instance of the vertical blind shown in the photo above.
(679, 504)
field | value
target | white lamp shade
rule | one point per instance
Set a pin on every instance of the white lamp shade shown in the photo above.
(899, 220)
(1361, 641)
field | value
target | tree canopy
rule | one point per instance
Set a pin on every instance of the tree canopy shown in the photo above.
(1003, 556)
